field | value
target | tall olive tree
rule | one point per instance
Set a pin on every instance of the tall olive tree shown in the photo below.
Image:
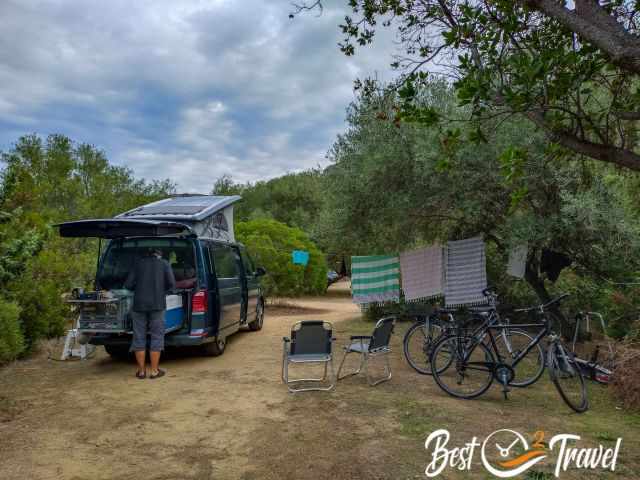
(396, 186)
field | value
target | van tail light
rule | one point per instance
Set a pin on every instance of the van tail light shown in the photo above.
(199, 302)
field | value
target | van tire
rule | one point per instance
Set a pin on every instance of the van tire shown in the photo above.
(257, 323)
(215, 348)
(118, 352)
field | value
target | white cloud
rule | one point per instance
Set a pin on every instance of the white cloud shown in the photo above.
(188, 90)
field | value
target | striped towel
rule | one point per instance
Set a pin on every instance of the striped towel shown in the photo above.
(375, 278)
(422, 273)
(466, 274)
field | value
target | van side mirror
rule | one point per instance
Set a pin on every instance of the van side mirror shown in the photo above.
(260, 271)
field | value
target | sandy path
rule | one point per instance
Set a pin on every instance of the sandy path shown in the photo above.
(93, 419)
(230, 417)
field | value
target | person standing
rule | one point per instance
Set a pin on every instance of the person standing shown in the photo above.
(151, 279)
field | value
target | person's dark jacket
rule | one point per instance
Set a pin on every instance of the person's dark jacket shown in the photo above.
(150, 280)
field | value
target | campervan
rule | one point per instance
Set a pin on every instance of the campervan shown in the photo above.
(218, 288)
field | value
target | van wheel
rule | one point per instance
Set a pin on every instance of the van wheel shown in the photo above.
(117, 352)
(257, 323)
(215, 348)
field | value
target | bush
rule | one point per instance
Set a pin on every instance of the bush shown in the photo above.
(38, 291)
(404, 311)
(626, 376)
(11, 340)
(270, 243)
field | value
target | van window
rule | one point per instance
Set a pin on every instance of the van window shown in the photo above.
(121, 256)
(225, 260)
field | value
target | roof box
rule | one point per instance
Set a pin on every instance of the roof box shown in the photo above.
(209, 216)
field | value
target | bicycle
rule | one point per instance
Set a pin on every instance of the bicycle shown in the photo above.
(600, 371)
(428, 330)
(464, 366)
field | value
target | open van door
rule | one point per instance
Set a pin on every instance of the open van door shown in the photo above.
(92, 318)
(117, 228)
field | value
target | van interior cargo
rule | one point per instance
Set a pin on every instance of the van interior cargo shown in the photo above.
(122, 255)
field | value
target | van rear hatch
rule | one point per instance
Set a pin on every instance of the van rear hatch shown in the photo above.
(118, 228)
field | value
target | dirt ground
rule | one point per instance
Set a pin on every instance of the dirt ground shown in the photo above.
(231, 417)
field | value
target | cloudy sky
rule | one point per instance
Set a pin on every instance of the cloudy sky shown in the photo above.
(182, 89)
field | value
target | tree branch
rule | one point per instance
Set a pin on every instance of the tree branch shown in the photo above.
(594, 24)
(597, 151)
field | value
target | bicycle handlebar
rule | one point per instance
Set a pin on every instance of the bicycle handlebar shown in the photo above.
(555, 300)
(543, 306)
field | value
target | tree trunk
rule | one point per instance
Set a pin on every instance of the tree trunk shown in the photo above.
(534, 279)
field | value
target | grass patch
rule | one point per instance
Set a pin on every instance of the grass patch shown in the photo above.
(414, 419)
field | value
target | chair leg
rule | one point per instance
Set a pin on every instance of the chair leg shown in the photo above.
(355, 372)
(285, 368)
(290, 383)
(387, 376)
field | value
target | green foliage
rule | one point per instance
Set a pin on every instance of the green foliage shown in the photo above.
(527, 58)
(396, 187)
(11, 340)
(44, 182)
(294, 199)
(271, 243)
(39, 289)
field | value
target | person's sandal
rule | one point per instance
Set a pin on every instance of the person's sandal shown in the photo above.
(141, 375)
(160, 373)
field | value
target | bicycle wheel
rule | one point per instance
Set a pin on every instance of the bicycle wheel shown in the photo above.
(418, 343)
(510, 344)
(462, 366)
(566, 376)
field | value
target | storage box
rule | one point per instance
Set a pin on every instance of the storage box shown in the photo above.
(105, 315)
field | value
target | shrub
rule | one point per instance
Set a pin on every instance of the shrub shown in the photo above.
(11, 340)
(38, 290)
(404, 311)
(626, 376)
(270, 244)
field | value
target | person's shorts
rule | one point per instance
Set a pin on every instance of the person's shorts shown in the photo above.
(151, 323)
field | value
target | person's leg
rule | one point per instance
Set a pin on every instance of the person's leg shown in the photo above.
(140, 358)
(156, 329)
(139, 342)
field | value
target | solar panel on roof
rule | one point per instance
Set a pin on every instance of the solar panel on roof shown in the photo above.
(170, 209)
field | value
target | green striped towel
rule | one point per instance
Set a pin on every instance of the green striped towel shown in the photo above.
(375, 278)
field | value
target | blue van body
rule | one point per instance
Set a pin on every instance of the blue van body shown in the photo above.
(213, 309)
(218, 286)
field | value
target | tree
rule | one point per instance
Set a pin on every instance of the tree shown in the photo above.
(294, 198)
(44, 182)
(572, 68)
(398, 187)
(271, 243)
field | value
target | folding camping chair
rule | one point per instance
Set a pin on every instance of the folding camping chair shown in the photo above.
(375, 345)
(310, 342)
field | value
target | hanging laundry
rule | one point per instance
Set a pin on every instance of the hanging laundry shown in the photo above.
(552, 263)
(300, 257)
(518, 261)
(375, 278)
(466, 272)
(422, 273)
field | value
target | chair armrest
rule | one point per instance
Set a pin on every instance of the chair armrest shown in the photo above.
(360, 337)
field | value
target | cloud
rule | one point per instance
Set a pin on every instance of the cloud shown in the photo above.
(187, 90)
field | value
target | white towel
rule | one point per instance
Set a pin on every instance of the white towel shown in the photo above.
(466, 274)
(422, 273)
(518, 261)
